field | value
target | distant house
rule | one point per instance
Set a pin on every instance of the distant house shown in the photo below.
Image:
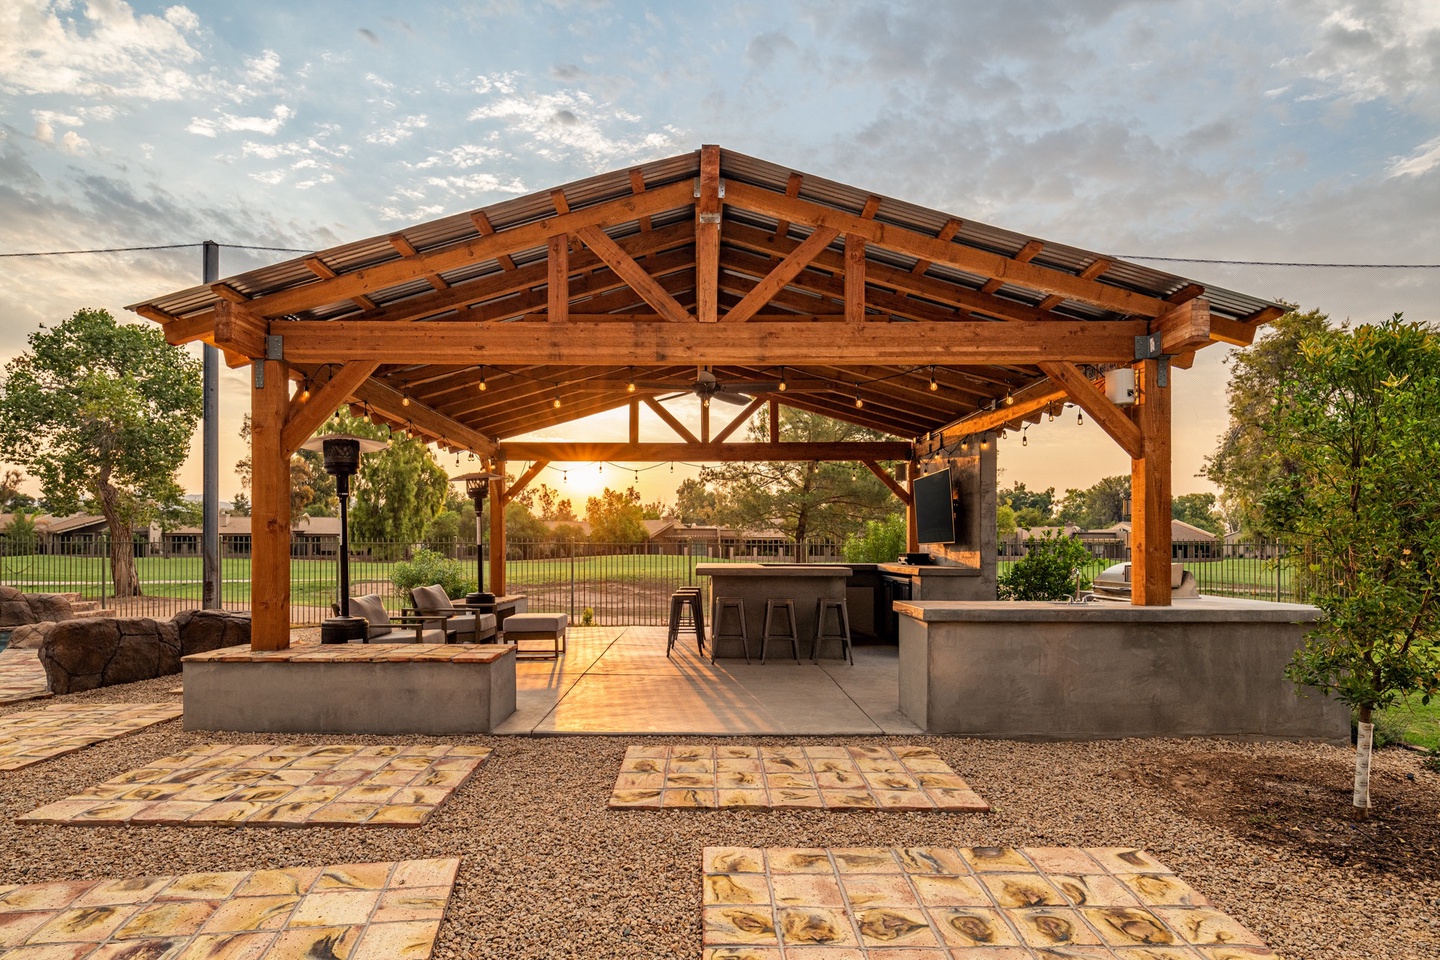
(84, 534)
(309, 537)
(1187, 542)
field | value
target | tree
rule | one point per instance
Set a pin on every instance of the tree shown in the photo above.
(1100, 506)
(1004, 521)
(695, 503)
(240, 506)
(102, 412)
(1020, 499)
(616, 517)
(1359, 491)
(1198, 510)
(1246, 459)
(398, 490)
(881, 542)
(806, 499)
(1051, 569)
(312, 490)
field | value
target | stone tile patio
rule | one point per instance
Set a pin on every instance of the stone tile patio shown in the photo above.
(831, 777)
(267, 785)
(966, 903)
(33, 736)
(21, 676)
(364, 911)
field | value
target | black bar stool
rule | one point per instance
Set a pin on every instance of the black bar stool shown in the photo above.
(842, 632)
(734, 605)
(685, 611)
(791, 634)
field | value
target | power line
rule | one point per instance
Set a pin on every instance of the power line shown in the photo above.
(167, 246)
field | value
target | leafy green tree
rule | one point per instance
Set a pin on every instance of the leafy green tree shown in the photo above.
(103, 412)
(808, 500)
(1021, 499)
(1004, 521)
(1099, 506)
(881, 542)
(20, 537)
(1029, 518)
(1052, 569)
(1198, 510)
(398, 490)
(240, 505)
(312, 490)
(1355, 435)
(616, 517)
(1246, 459)
(695, 503)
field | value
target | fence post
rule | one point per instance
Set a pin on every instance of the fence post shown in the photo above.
(104, 574)
(571, 551)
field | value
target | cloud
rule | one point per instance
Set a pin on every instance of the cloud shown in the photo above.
(369, 36)
(105, 51)
(230, 123)
(1425, 158)
(1379, 49)
(570, 123)
(465, 155)
(72, 142)
(399, 130)
(264, 68)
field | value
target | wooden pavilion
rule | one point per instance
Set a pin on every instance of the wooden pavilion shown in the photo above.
(781, 287)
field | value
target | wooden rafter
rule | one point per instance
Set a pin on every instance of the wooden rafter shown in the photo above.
(741, 418)
(305, 418)
(633, 274)
(776, 280)
(518, 487)
(388, 401)
(559, 451)
(558, 285)
(1090, 398)
(900, 492)
(670, 421)
(707, 236)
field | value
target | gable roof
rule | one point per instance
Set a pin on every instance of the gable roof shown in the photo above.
(626, 241)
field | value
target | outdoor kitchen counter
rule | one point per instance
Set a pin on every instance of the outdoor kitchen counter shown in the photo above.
(805, 583)
(1203, 667)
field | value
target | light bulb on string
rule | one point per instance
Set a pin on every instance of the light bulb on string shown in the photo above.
(858, 402)
(783, 385)
(1009, 398)
(1024, 438)
(631, 385)
(565, 476)
(672, 466)
(404, 399)
(933, 385)
(305, 390)
(1080, 417)
(481, 385)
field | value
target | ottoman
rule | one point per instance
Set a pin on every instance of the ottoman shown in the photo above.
(520, 627)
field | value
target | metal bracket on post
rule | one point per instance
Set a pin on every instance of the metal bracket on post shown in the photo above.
(1150, 347)
(274, 347)
(259, 367)
(1162, 371)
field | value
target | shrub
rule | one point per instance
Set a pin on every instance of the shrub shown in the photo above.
(1047, 571)
(881, 542)
(428, 567)
(587, 617)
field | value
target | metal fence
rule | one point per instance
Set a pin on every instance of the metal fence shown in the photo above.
(603, 583)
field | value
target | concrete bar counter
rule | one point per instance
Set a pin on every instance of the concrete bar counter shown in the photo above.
(754, 583)
(1209, 666)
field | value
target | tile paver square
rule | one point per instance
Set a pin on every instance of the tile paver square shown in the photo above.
(247, 915)
(22, 677)
(33, 736)
(262, 785)
(970, 903)
(816, 776)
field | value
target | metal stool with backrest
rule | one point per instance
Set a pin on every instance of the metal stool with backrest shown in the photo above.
(842, 633)
(734, 605)
(791, 634)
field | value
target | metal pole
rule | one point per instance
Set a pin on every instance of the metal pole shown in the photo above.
(342, 491)
(210, 523)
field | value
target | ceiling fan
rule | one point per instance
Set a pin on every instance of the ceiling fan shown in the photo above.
(707, 387)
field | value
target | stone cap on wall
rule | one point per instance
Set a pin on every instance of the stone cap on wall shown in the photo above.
(362, 653)
(1186, 610)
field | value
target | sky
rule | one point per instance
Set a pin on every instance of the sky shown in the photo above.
(1275, 130)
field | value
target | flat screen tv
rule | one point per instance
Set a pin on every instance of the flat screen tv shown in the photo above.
(935, 508)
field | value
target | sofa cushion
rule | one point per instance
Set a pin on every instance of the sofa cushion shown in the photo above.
(536, 623)
(377, 618)
(431, 599)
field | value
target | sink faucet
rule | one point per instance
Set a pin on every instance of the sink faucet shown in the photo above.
(1076, 574)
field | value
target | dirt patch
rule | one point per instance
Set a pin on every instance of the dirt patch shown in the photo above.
(1303, 806)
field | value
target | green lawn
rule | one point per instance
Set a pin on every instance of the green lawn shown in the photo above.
(1421, 723)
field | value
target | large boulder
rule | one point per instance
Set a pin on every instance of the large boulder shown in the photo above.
(93, 652)
(18, 608)
(29, 636)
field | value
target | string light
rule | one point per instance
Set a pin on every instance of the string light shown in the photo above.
(858, 402)
(1024, 437)
(933, 385)
(783, 385)
(1080, 417)
(631, 385)
(1003, 434)
(565, 477)
(1051, 411)
(305, 390)
(672, 466)
(404, 399)
(556, 402)
(481, 385)
(1009, 398)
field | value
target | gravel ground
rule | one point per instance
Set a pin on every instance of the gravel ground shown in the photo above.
(549, 872)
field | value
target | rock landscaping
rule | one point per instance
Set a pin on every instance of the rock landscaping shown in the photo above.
(80, 655)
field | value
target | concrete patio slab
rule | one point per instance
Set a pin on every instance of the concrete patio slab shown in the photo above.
(965, 903)
(21, 676)
(617, 680)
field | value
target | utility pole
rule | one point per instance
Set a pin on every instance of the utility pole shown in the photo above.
(210, 525)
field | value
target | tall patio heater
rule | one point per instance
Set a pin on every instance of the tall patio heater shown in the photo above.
(477, 487)
(342, 460)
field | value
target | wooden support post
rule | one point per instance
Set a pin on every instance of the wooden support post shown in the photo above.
(558, 287)
(634, 421)
(1150, 492)
(912, 523)
(270, 509)
(707, 236)
(774, 421)
(498, 497)
(854, 278)
(705, 422)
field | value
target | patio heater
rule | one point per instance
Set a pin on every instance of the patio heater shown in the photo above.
(342, 460)
(477, 487)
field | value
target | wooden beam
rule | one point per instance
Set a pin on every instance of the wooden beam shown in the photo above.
(305, 418)
(912, 520)
(783, 273)
(670, 421)
(524, 237)
(774, 420)
(183, 330)
(637, 187)
(320, 268)
(786, 341)
(1030, 400)
(792, 190)
(1231, 331)
(226, 292)
(498, 499)
(387, 401)
(1024, 255)
(239, 330)
(482, 224)
(854, 278)
(634, 421)
(557, 451)
(904, 495)
(704, 421)
(558, 289)
(518, 487)
(1093, 401)
(707, 236)
(947, 233)
(270, 509)
(633, 274)
(741, 419)
(1185, 326)
(1150, 492)
(973, 260)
